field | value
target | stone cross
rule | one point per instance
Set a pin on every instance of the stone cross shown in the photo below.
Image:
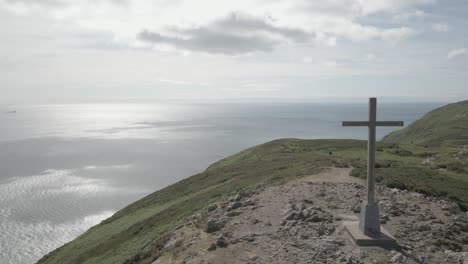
(369, 222)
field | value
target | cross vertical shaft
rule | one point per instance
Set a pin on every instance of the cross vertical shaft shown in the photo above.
(371, 150)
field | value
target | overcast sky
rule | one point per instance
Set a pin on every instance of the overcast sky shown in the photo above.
(135, 50)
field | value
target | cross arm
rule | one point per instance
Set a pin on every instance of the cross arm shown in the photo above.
(356, 123)
(389, 123)
(377, 123)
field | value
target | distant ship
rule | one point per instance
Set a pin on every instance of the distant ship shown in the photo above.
(11, 112)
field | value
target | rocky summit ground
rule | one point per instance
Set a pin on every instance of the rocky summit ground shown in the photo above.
(302, 222)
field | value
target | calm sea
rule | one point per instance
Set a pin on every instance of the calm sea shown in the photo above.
(64, 168)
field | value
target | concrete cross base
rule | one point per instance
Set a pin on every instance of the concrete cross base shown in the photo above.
(384, 239)
(369, 222)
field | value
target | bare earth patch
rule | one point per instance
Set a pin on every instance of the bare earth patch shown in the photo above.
(301, 222)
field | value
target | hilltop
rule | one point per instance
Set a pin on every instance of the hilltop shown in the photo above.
(302, 222)
(444, 126)
(139, 233)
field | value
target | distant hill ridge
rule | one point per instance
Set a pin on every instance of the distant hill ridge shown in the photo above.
(444, 126)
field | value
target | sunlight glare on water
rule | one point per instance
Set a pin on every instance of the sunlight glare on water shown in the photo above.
(109, 121)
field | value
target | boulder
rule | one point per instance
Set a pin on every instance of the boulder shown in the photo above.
(221, 242)
(357, 208)
(398, 258)
(384, 219)
(213, 225)
(212, 207)
(423, 227)
(212, 247)
(233, 213)
(249, 202)
(235, 205)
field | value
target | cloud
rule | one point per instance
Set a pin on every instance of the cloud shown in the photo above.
(71, 10)
(172, 81)
(263, 86)
(58, 3)
(180, 82)
(241, 27)
(235, 34)
(389, 6)
(357, 32)
(397, 34)
(47, 3)
(331, 64)
(240, 33)
(307, 59)
(440, 27)
(357, 8)
(212, 42)
(371, 56)
(456, 52)
(417, 14)
(348, 8)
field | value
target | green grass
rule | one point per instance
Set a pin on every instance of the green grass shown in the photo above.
(444, 126)
(423, 180)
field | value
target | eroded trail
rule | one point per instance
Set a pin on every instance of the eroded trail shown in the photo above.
(301, 222)
(339, 175)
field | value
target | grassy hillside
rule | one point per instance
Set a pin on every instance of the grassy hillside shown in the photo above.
(136, 233)
(444, 126)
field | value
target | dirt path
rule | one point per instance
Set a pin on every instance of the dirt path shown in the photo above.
(301, 222)
(333, 175)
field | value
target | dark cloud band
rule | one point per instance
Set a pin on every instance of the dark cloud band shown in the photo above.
(234, 34)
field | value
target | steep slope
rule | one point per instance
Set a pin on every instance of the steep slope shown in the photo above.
(444, 126)
(140, 228)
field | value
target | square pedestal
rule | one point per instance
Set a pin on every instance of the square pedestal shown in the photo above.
(384, 239)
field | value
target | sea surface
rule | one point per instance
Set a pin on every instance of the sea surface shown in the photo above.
(65, 168)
